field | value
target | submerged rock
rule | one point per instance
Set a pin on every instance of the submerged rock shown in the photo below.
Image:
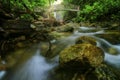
(113, 50)
(86, 39)
(81, 56)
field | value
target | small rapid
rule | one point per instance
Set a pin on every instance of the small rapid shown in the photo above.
(34, 68)
(70, 40)
(112, 52)
(113, 59)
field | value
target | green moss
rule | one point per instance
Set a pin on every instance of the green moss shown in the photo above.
(86, 39)
(82, 53)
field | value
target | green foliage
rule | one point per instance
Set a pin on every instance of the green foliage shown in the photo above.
(81, 3)
(16, 6)
(100, 10)
(26, 17)
(30, 3)
(97, 10)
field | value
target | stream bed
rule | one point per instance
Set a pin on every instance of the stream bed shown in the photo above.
(33, 66)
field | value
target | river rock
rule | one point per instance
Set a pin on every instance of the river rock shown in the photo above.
(81, 56)
(16, 28)
(66, 28)
(111, 36)
(111, 25)
(102, 72)
(115, 26)
(86, 39)
(89, 60)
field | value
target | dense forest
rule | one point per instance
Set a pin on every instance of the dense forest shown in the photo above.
(59, 39)
(90, 10)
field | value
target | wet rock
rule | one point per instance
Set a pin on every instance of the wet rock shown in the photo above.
(17, 25)
(115, 26)
(81, 56)
(65, 28)
(105, 72)
(102, 72)
(110, 25)
(59, 35)
(85, 24)
(113, 50)
(19, 45)
(2, 64)
(10, 61)
(111, 36)
(2, 33)
(86, 39)
(16, 28)
(105, 24)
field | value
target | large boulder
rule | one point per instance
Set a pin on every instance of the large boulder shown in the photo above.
(81, 56)
(86, 39)
(87, 63)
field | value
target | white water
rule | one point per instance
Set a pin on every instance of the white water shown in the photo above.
(91, 33)
(110, 58)
(113, 59)
(68, 41)
(2, 73)
(105, 45)
(87, 28)
(36, 68)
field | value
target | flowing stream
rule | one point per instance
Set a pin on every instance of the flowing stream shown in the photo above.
(37, 67)
(32, 66)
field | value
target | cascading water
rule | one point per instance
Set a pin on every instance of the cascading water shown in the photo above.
(61, 44)
(35, 68)
(112, 57)
(2, 73)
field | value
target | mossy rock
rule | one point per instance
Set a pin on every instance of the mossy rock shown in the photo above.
(81, 56)
(86, 39)
(65, 28)
(113, 50)
(102, 72)
(105, 72)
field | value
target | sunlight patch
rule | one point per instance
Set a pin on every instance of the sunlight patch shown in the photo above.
(56, 2)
